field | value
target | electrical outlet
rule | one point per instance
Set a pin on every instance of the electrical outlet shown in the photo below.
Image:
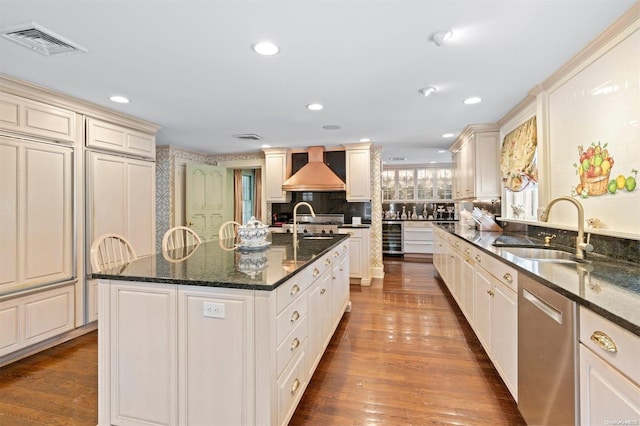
(213, 310)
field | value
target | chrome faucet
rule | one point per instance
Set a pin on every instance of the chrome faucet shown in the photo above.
(581, 246)
(295, 215)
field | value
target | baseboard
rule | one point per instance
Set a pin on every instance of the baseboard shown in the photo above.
(46, 344)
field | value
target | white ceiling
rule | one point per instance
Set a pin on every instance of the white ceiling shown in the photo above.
(187, 65)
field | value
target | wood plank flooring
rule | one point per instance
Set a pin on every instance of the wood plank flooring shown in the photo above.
(404, 356)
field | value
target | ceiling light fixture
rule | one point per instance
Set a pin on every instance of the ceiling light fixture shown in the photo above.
(315, 107)
(447, 135)
(265, 146)
(439, 37)
(119, 99)
(442, 151)
(472, 100)
(426, 91)
(265, 48)
(331, 127)
(365, 140)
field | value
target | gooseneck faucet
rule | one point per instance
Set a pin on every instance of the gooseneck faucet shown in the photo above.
(295, 215)
(581, 246)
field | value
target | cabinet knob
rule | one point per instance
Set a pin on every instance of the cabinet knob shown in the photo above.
(295, 385)
(466, 250)
(336, 254)
(478, 258)
(323, 291)
(508, 277)
(295, 316)
(490, 293)
(315, 272)
(327, 261)
(294, 290)
(605, 342)
(295, 344)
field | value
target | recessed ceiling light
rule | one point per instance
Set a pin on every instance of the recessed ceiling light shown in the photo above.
(439, 37)
(119, 99)
(265, 146)
(265, 48)
(315, 107)
(397, 158)
(472, 100)
(447, 135)
(365, 140)
(442, 151)
(331, 127)
(426, 91)
(432, 162)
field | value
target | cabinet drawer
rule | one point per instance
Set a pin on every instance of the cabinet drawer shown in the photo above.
(290, 318)
(291, 345)
(419, 234)
(339, 251)
(418, 247)
(320, 265)
(596, 332)
(503, 272)
(291, 290)
(291, 386)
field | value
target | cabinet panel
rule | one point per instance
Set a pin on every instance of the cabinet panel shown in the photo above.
(358, 185)
(113, 137)
(141, 204)
(10, 330)
(36, 118)
(276, 171)
(48, 314)
(142, 322)
(8, 212)
(606, 396)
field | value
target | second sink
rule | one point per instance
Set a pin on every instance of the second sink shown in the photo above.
(543, 255)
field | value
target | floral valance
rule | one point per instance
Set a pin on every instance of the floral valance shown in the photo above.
(518, 157)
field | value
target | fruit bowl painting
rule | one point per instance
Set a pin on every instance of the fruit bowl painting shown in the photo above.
(594, 169)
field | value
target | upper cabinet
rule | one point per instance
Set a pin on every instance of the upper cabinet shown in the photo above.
(475, 158)
(112, 137)
(277, 169)
(358, 163)
(416, 184)
(18, 114)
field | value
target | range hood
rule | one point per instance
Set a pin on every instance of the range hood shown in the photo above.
(315, 175)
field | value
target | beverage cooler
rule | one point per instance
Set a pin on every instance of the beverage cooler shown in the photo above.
(392, 237)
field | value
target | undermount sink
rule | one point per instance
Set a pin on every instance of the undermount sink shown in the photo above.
(544, 255)
(317, 238)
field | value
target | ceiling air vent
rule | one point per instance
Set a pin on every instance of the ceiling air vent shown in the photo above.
(248, 136)
(40, 39)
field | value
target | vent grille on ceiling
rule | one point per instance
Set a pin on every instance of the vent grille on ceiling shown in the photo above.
(38, 38)
(248, 137)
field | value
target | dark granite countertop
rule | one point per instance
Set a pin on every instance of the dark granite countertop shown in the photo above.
(209, 265)
(607, 286)
(350, 225)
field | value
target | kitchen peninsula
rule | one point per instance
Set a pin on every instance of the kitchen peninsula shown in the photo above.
(220, 336)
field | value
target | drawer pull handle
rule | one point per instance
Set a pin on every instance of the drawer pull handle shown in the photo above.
(344, 247)
(315, 272)
(323, 291)
(294, 316)
(490, 293)
(604, 341)
(508, 278)
(478, 258)
(295, 343)
(295, 385)
(336, 254)
(466, 250)
(295, 289)
(327, 261)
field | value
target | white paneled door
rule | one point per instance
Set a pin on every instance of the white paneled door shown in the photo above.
(205, 195)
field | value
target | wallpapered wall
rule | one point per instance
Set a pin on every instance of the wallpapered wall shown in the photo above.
(600, 104)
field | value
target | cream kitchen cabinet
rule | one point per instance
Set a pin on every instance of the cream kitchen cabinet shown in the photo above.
(475, 157)
(358, 165)
(26, 116)
(609, 372)
(120, 199)
(36, 188)
(359, 263)
(250, 366)
(116, 138)
(277, 170)
(417, 238)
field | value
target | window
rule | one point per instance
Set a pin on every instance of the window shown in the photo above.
(248, 182)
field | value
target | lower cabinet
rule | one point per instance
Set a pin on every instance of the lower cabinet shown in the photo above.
(609, 372)
(486, 292)
(185, 355)
(359, 263)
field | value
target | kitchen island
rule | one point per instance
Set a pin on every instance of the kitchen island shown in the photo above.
(218, 336)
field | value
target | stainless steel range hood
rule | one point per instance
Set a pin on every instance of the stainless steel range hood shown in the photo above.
(314, 176)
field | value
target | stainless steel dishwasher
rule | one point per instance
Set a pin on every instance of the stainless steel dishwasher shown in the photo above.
(547, 355)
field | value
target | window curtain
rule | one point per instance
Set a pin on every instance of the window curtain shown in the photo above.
(237, 195)
(257, 194)
(518, 157)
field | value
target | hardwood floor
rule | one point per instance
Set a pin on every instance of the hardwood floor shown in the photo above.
(403, 356)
